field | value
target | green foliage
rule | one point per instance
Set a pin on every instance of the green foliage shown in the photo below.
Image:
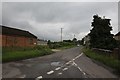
(12, 49)
(19, 53)
(74, 39)
(107, 60)
(54, 45)
(67, 41)
(118, 43)
(82, 41)
(100, 36)
(49, 42)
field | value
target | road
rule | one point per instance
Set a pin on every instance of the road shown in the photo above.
(69, 63)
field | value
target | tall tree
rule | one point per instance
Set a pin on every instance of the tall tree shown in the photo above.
(100, 35)
(74, 40)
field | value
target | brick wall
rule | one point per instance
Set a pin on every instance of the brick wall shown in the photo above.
(11, 41)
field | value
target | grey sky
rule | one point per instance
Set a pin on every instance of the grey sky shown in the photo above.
(44, 19)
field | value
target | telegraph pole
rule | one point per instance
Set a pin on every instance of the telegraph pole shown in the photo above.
(61, 34)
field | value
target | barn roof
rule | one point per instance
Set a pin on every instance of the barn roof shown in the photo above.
(17, 32)
(118, 34)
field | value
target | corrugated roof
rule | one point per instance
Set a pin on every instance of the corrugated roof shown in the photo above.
(17, 32)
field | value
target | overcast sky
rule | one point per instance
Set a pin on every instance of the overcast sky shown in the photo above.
(44, 19)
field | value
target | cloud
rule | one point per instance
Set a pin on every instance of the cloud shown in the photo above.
(45, 19)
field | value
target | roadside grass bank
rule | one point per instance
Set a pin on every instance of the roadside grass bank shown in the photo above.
(17, 53)
(107, 60)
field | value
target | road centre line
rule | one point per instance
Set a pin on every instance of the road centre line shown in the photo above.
(74, 58)
(79, 68)
(40, 77)
(68, 62)
(57, 68)
(65, 69)
(23, 76)
(84, 73)
(60, 73)
(50, 72)
(78, 56)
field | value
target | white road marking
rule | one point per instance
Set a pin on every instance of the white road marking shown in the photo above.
(68, 62)
(74, 63)
(40, 77)
(23, 76)
(80, 69)
(84, 73)
(57, 68)
(74, 58)
(60, 73)
(78, 56)
(65, 69)
(50, 72)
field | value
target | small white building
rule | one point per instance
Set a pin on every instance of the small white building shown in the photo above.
(41, 42)
(87, 41)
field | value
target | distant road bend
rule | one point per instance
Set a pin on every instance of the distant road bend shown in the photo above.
(69, 63)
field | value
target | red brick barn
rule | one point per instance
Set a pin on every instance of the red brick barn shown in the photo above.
(12, 37)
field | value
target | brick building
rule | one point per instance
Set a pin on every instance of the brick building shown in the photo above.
(12, 37)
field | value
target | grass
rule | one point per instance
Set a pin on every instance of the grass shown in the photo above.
(107, 60)
(14, 54)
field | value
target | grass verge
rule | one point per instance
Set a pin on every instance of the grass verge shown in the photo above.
(14, 54)
(107, 60)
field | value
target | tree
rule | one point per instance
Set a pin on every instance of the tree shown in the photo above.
(100, 35)
(67, 41)
(74, 40)
(82, 41)
(49, 42)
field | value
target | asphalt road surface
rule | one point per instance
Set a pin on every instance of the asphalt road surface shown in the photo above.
(69, 63)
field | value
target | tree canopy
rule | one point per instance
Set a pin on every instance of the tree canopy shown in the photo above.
(100, 35)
